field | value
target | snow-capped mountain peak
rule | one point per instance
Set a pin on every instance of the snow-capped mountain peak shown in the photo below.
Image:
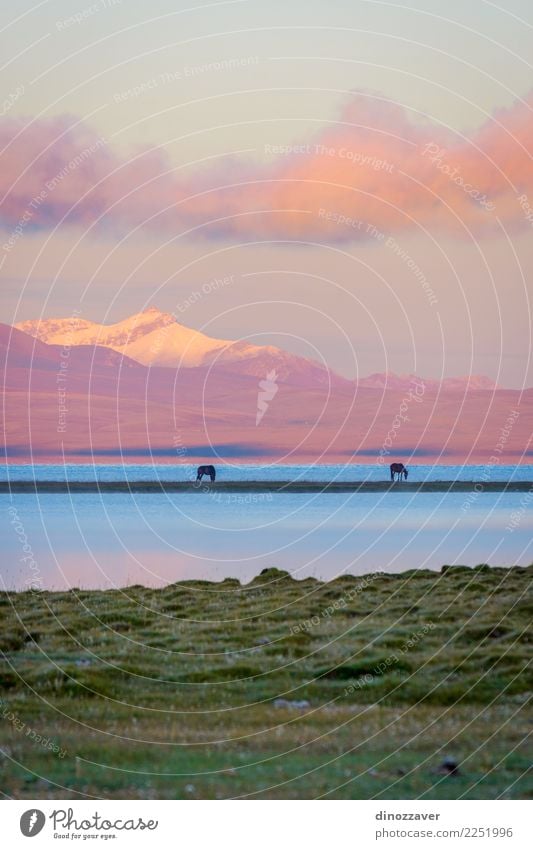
(155, 338)
(151, 337)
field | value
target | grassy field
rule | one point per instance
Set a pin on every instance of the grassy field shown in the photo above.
(356, 688)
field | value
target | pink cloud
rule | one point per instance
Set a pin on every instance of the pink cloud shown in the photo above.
(374, 166)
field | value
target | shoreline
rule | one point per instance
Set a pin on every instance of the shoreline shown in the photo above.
(360, 487)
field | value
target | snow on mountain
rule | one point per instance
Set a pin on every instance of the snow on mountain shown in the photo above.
(50, 329)
(155, 338)
(151, 337)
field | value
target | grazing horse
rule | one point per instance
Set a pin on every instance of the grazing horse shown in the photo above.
(206, 470)
(398, 469)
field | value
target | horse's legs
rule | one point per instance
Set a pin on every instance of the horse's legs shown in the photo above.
(199, 476)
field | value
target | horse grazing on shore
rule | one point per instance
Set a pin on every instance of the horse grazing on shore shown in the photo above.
(206, 470)
(398, 469)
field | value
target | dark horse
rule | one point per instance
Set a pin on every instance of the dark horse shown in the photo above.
(398, 469)
(206, 470)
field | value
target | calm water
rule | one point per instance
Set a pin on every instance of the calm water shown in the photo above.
(167, 472)
(88, 540)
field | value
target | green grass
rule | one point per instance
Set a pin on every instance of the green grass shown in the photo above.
(171, 693)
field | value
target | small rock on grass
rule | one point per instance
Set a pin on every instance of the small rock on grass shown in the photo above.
(299, 704)
(449, 766)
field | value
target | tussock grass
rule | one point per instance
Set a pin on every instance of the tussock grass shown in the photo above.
(152, 692)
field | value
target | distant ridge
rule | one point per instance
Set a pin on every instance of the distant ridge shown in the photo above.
(403, 382)
(155, 338)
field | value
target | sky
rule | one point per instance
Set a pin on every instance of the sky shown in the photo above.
(351, 180)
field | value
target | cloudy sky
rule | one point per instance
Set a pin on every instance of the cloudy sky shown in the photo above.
(357, 175)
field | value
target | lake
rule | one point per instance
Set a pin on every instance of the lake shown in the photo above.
(119, 539)
(275, 471)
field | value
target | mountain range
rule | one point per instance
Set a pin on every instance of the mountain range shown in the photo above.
(155, 338)
(148, 386)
